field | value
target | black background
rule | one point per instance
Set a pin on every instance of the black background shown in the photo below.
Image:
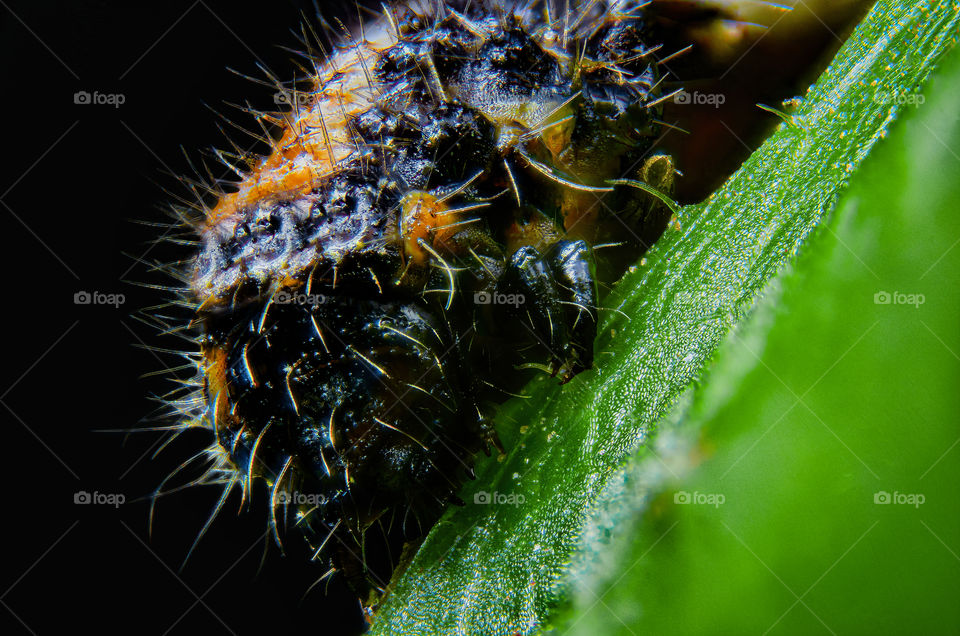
(75, 178)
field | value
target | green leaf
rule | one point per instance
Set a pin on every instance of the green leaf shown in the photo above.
(501, 568)
(812, 484)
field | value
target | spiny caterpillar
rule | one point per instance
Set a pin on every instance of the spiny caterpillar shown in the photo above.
(425, 230)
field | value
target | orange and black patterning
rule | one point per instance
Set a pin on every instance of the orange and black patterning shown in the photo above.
(420, 235)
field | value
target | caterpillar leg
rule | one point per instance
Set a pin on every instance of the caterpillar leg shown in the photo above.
(549, 299)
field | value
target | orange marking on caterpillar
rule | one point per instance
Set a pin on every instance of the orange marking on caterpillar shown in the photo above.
(315, 138)
(425, 217)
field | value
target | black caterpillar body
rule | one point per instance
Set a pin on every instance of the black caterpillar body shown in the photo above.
(421, 235)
